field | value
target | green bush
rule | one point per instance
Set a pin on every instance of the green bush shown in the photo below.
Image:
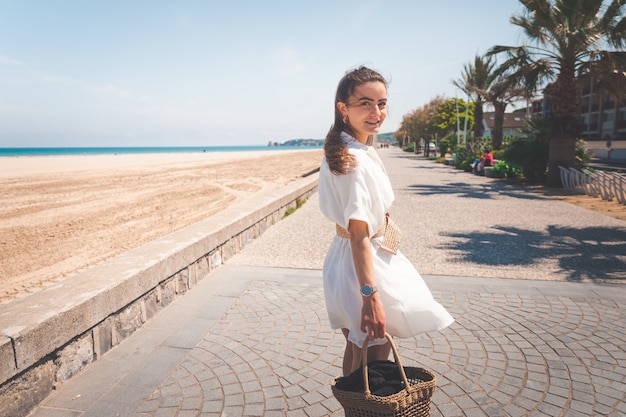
(447, 144)
(498, 155)
(502, 169)
(464, 160)
(530, 153)
(444, 148)
(465, 157)
(410, 147)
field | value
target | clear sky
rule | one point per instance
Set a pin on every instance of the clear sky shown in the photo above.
(230, 72)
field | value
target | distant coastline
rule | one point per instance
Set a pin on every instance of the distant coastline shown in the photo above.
(381, 138)
(299, 142)
(140, 150)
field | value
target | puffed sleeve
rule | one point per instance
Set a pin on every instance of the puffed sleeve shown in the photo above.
(362, 194)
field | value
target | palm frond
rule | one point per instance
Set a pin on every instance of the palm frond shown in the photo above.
(613, 23)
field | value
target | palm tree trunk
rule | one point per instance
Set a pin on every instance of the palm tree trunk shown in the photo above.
(498, 135)
(478, 121)
(564, 113)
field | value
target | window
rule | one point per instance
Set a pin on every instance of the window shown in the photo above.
(607, 117)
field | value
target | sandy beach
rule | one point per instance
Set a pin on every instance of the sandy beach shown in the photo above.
(63, 214)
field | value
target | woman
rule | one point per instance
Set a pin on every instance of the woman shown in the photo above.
(369, 290)
(487, 158)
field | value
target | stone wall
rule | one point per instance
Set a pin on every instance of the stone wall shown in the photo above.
(48, 337)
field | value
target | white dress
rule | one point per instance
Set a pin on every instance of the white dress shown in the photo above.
(366, 194)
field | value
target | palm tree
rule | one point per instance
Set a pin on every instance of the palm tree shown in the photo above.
(568, 38)
(500, 95)
(505, 88)
(477, 77)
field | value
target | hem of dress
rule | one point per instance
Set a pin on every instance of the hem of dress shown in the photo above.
(382, 341)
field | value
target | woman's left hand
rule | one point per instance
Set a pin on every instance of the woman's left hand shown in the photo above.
(373, 320)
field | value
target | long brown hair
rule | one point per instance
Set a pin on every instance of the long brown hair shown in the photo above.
(339, 159)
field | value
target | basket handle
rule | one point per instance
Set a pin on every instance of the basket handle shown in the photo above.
(366, 380)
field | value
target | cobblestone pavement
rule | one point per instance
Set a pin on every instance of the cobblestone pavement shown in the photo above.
(253, 339)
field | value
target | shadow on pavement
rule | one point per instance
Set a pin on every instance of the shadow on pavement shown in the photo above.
(481, 191)
(591, 253)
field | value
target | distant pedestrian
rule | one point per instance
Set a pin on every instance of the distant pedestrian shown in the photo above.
(369, 286)
(486, 160)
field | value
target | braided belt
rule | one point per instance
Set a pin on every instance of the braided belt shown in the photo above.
(391, 233)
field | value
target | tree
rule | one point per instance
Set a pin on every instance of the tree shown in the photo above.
(420, 123)
(447, 121)
(567, 38)
(502, 91)
(447, 113)
(406, 131)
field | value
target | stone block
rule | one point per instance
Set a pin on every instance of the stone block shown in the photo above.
(168, 292)
(102, 334)
(74, 357)
(126, 323)
(7, 359)
(202, 267)
(230, 248)
(19, 396)
(182, 281)
(34, 342)
(150, 305)
(215, 259)
(191, 276)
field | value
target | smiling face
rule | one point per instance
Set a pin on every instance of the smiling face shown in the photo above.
(365, 110)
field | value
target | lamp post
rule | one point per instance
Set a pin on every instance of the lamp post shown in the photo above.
(458, 129)
(466, 115)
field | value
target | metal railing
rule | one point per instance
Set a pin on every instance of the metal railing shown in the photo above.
(604, 184)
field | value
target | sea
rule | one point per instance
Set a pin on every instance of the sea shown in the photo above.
(139, 150)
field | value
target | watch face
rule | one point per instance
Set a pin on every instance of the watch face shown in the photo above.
(366, 290)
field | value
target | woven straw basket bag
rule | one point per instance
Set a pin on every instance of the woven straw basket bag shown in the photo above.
(414, 400)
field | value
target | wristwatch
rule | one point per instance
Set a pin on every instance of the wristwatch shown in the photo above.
(368, 290)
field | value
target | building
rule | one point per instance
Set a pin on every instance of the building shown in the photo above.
(601, 116)
(512, 127)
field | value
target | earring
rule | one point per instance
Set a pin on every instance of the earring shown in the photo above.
(345, 120)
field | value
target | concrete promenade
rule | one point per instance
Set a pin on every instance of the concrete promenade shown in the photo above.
(536, 286)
